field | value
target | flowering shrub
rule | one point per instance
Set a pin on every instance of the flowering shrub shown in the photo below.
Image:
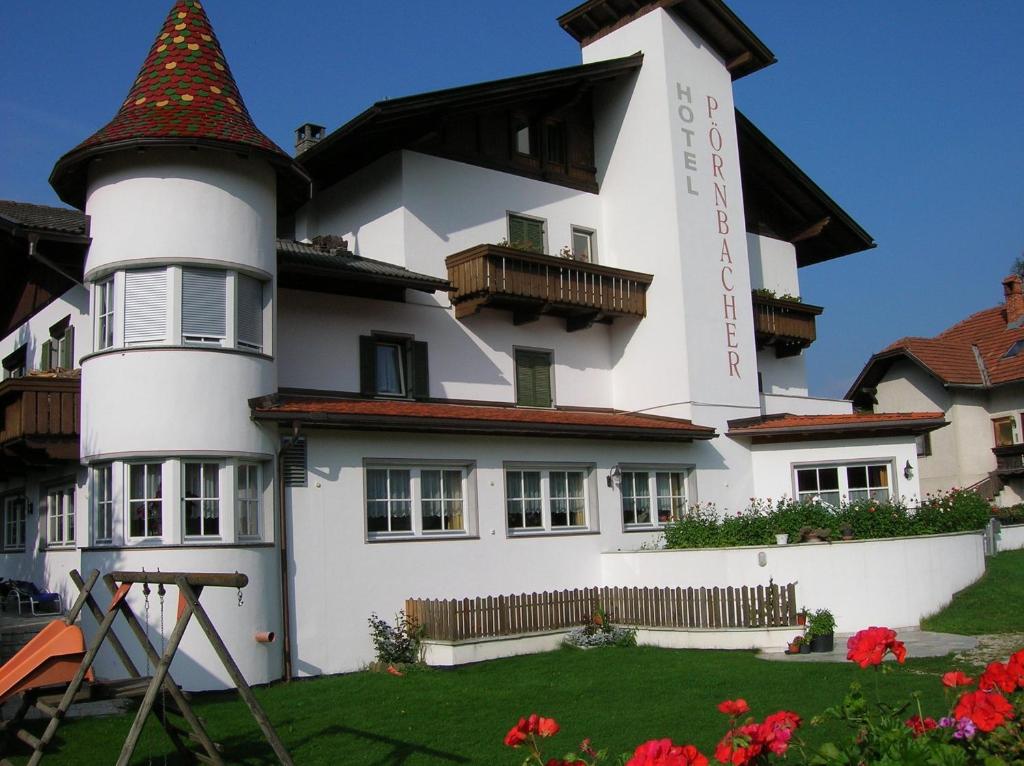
(984, 727)
(599, 631)
(395, 643)
(1013, 514)
(704, 527)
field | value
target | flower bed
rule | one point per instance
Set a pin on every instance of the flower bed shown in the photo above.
(758, 524)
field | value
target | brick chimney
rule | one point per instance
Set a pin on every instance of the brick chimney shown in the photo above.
(1014, 301)
(306, 136)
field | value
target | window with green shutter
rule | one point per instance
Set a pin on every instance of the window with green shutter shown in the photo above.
(526, 233)
(393, 366)
(533, 378)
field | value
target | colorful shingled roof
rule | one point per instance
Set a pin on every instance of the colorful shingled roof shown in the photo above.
(184, 93)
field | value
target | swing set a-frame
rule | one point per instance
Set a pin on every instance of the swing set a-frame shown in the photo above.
(59, 657)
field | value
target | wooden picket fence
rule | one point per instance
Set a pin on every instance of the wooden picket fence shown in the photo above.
(741, 607)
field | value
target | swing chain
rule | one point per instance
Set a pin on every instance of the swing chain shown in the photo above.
(240, 600)
(161, 591)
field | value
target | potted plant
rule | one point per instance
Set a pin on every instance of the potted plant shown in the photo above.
(795, 645)
(821, 626)
(812, 535)
(781, 536)
(846, 531)
(801, 616)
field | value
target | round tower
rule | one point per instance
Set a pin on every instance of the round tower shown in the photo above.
(183, 192)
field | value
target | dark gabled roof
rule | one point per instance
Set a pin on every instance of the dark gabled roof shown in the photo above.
(22, 218)
(393, 124)
(298, 259)
(785, 427)
(483, 418)
(183, 96)
(722, 29)
(782, 201)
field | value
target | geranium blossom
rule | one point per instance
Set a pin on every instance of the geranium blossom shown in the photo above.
(987, 710)
(734, 707)
(535, 724)
(777, 730)
(997, 676)
(955, 678)
(920, 725)
(662, 752)
(740, 746)
(869, 646)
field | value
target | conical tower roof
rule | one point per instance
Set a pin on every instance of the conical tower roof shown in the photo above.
(184, 95)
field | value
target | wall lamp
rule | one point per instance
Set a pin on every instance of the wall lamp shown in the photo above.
(614, 477)
(908, 471)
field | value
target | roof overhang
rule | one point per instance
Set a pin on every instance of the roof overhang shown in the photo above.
(475, 419)
(771, 429)
(306, 267)
(741, 50)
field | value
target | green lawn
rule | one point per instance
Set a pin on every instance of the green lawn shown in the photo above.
(991, 605)
(619, 697)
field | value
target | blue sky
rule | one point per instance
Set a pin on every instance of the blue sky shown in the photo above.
(910, 114)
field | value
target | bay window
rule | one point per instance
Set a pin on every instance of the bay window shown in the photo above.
(60, 516)
(248, 500)
(145, 500)
(200, 499)
(547, 499)
(103, 503)
(203, 306)
(104, 311)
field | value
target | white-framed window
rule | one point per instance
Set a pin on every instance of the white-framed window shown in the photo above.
(1004, 430)
(247, 500)
(145, 500)
(249, 312)
(60, 516)
(103, 503)
(417, 500)
(104, 312)
(834, 484)
(15, 510)
(200, 498)
(203, 306)
(584, 244)
(652, 497)
(547, 498)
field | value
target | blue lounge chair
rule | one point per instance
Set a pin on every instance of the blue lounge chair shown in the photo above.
(25, 593)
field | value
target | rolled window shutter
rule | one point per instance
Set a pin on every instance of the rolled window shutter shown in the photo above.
(46, 361)
(542, 380)
(420, 370)
(67, 349)
(203, 294)
(524, 379)
(533, 379)
(145, 305)
(250, 311)
(367, 365)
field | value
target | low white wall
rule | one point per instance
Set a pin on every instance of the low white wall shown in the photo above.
(449, 653)
(891, 582)
(1011, 538)
(770, 639)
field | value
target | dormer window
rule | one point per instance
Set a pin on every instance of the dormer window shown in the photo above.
(1015, 349)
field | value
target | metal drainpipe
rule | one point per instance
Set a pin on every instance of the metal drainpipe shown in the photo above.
(282, 535)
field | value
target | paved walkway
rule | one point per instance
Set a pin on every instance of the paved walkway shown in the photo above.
(920, 643)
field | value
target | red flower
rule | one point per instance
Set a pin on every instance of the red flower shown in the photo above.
(955, 678)
(734, 707)
(988, 710)
(518, 734)
(661, 752)
(557, 762)
(869, 646)
(920, 725)
(776, 731)
(741, 746)
(1015, 667)
(547, 727)
(997, 675)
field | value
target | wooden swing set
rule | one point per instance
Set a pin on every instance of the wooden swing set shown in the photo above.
(58, 656)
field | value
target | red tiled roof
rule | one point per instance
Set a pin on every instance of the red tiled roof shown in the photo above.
(184, 93)
(838, 426)
(476, 418)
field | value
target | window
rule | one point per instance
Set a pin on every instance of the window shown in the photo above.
(14, 513)
(60, 516)
(546, 499)
(832, 485)
(145, 306)
(533, 378)
(201, 499)
(651, 498)
(104, 292)
(554, 143)
(15, 364)
(203, 301)
(103, 503)
(59, 350)
(526, 233)
(1016, 348)
(249, 311)
(145, 500)
(422, 500)
(1005, 430)
(523, 139)
(393, 366)
(583, 244)
(248, 500)
(924, 445)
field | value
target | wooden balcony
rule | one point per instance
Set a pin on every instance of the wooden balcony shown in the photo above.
(40, 425)
(787, 325)
(1009, 460)
(530, 285)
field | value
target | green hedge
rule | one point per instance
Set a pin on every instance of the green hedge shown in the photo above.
(1013, 514)
(955, 511)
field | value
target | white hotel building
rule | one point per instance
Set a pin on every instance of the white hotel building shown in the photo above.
(461, 346)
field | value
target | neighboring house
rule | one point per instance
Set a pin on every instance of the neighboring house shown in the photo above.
(974, 373)
(461, 346)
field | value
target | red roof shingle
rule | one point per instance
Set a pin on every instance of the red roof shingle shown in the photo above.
(788, 422)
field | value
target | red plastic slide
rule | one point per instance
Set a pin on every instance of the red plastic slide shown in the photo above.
(49, 659)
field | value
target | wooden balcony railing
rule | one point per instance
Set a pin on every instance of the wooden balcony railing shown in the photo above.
(786, 325)
(530, 284)
(1009, 459)
(41, 418)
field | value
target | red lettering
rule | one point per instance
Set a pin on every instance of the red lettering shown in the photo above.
(726, 255)
(730, 306)
(712, 106)
(730, 335)
(726, 285)
(716, 166)
(715, 137)
(734, 365)
(720, 198)
(723, 222)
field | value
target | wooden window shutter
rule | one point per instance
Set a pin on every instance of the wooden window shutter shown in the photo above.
(145, 305)
(46, 362)
(533, 379)
(420, 387)
(67, 349)
(535, 236)
(516, 231)
(203, 303)
(250, 311)
(367, 365)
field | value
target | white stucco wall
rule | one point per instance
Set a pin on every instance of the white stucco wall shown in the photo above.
(777, 403)
(773, 265)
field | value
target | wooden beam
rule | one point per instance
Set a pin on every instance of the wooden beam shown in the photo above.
(212, 579)
(739, 61)
(811, 231)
